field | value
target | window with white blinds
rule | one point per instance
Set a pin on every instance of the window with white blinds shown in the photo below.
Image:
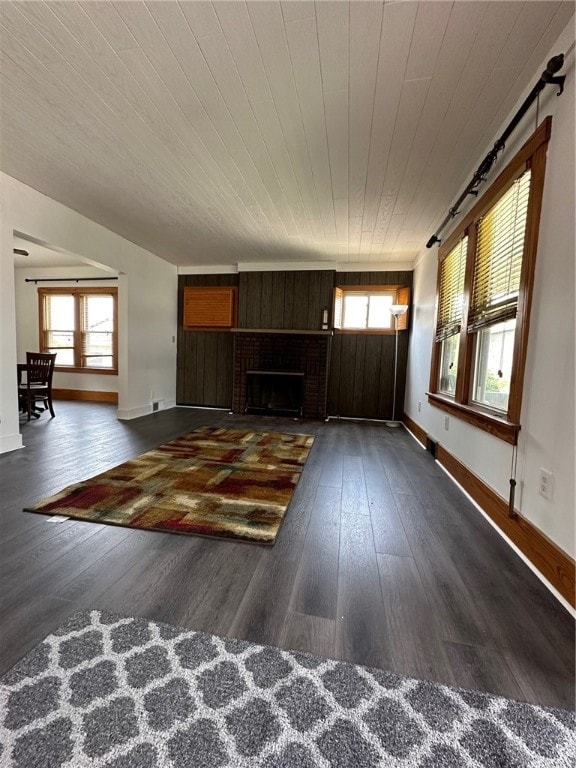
(485, 283)
(498, 258)
(80, 326)
(451, 291)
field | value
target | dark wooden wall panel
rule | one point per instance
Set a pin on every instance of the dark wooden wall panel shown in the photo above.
(204, 358)
(361, 378)
(288, 300)
(362, 365)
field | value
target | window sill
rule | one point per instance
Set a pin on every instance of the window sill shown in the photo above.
(495, 425)
(71, 369)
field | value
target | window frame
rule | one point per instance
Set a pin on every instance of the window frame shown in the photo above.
(400, 293)
(77, 294)
(504, 426)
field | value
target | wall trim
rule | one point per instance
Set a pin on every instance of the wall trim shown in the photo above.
(11, 443)
(93, 396)
(416, 429)
(382, 265)
(555, 565)
(212, 269)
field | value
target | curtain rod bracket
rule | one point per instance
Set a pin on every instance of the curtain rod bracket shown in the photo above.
(559, 81)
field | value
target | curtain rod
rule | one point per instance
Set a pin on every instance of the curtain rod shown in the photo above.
(64, 279)
(546, 78)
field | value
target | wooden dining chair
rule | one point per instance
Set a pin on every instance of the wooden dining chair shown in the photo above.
(38, 384)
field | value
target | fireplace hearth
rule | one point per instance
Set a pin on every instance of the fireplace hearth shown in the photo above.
(281, 374)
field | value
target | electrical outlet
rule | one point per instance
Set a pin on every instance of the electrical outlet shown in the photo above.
(419, 405)
(546, 484)
(446, 423)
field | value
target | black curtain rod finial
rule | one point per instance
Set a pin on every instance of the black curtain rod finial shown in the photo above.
(554, 65)
(432, 241)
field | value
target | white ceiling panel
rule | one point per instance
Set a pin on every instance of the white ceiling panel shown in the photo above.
(263, 131)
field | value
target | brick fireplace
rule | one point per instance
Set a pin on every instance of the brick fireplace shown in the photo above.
(264, 356)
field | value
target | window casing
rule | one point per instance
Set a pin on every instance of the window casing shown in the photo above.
(480, 345)
(366, 308)
(81, 326)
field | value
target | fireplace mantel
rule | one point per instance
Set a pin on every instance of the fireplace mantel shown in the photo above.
(292, 331)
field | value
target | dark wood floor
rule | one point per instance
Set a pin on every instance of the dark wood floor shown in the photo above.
(381, 560)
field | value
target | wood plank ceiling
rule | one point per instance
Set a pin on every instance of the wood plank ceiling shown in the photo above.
(226, 132)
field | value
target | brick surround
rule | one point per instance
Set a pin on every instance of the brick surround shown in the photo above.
(283, 352)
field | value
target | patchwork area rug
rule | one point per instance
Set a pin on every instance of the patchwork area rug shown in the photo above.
(213, 482)
(119, 692)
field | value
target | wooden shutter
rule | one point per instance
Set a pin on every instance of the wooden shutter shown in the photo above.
(209, 307)
(451, 291)
(500, 240)
(403, 297)
(338, 307)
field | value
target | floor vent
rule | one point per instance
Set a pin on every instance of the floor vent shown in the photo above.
(431, 445)
(155, 406)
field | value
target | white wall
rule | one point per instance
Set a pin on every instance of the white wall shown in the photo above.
(548, 417)
(27, 322)
(147, 301)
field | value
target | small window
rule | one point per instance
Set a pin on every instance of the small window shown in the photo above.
(80, 326)
(367, 308)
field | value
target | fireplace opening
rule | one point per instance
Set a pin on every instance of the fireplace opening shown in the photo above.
(275, 393)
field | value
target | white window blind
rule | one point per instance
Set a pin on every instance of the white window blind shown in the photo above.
(451, 291)
(498, 259)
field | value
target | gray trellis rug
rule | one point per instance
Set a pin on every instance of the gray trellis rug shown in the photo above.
(128, 693)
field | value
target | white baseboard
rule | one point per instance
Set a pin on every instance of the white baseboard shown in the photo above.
(11, 443)
(125, 414)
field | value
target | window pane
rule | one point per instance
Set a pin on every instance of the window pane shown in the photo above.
(99, 362)
(60, 313)
(97, 344)
(97, 327)
(99, 313)
(63, 356)
(449, 364)
(493, 365)
(379, 311)
(58, 339)
(355, 311)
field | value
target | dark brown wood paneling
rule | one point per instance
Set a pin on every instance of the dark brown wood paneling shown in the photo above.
(204, 358)
(361, 375)
(362, 365)
(278, 291)
(287, 300)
